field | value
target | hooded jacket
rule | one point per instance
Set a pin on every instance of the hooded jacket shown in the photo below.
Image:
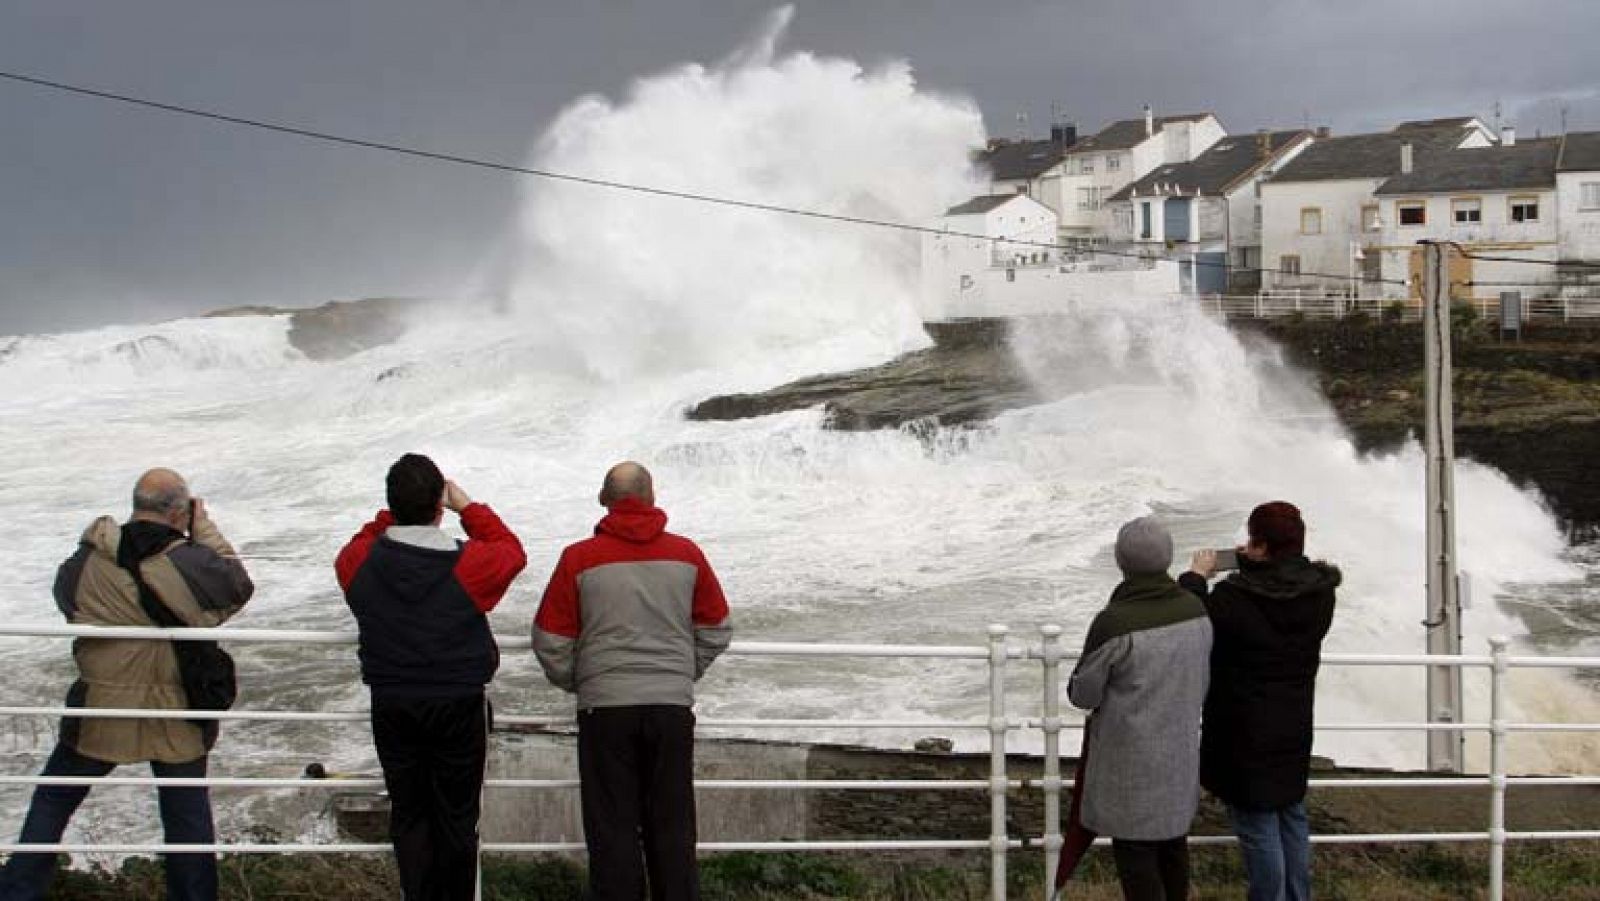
(420, 599)
(1269, 620)
(631, 616)
(200, 582)
(1143, 673)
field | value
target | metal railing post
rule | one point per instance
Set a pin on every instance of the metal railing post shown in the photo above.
(1050, 725)
(1497, 768)
(998, 727)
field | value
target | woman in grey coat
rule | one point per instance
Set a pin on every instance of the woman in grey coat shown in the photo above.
(1143, 673)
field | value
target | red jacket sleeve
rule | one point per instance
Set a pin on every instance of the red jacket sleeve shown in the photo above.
(710, 607)
(558, 609)
(491, 558)
(349, 561)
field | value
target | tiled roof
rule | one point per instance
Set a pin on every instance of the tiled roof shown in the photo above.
(1370, 155)
(983, 203)
(1580, 152)
(1127, 133)
(1525, 164)
(1014, 160)
(1218, 169)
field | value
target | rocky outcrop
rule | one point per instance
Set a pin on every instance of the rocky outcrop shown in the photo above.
(338, 329)
(968, 375)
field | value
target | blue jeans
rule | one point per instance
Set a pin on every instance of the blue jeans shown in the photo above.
(185, 819)
(1276, 846)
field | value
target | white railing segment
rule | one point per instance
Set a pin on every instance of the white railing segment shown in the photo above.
(997, 653)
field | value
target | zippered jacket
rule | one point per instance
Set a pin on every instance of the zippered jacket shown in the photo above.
(202, 583)
(633, 615)
(420, 600)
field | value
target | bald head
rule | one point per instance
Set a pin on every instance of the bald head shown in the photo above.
(627, 479)
(161, 495)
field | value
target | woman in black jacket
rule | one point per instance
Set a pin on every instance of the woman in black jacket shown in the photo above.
(1268, 619)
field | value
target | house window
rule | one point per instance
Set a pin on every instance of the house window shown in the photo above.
(1144, 220)
(1369, 217)
(1125, 220)
(1086, 166)
(1113, 162)
(1466, 211)
(1289, 264)
(1589, 197)
(1524, 209)
(1411, 212)
(1310, 220)
(1086, 198)
(1258, 216)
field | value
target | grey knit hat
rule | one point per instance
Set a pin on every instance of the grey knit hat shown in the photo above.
(1144, 546)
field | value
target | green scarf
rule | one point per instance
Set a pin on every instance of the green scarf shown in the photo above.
(1144, 601)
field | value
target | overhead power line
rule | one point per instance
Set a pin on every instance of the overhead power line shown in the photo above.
(457, 159)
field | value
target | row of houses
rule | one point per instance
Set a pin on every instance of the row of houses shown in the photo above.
(1297, 210)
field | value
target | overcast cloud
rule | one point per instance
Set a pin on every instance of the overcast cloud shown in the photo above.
(110, 213)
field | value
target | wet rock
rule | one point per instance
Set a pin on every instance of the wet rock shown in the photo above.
(968, 376)
(934, 745)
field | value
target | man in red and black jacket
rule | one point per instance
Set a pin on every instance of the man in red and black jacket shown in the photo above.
(631, 619)
(420, 598)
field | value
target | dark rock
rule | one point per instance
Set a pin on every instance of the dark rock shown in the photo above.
(934, 745)
(342, 328)
(968, 376)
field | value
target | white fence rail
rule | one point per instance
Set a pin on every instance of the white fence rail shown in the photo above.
(998, 653)
(1559, 310)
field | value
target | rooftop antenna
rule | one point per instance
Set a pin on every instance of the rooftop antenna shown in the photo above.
(1564, 108)
(1022, 126)
(1497, 115)
(1305, 116)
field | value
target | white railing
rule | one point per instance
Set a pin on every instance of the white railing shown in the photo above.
(998, 653)
(1560, 310)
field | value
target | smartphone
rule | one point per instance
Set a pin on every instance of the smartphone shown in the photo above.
(191, 520)
(1227, 558)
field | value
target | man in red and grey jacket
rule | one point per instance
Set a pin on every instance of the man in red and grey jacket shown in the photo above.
(420, 598)
(631, 619)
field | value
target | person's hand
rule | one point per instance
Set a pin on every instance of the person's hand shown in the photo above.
(1204, 563)
(197, 511)
(454, 498)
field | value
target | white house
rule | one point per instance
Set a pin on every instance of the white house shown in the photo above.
(1319, 214)
(1578, 203)
(1205, 212)
(1498, 200)
(1099, 166)
(994, 256)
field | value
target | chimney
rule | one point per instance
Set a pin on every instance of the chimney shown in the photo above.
(1149, 121)
(1508, 137)
(1263, 143)
(1406, 158)
(1064, 134)
(1323, 132)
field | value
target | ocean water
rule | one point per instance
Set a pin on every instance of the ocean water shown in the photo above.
(611, 313)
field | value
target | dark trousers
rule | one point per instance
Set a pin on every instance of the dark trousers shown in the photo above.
(433, 752)
(185, 820)
(1152, 871)
(637, 769)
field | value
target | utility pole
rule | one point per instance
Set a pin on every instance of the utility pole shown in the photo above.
(1443, 622)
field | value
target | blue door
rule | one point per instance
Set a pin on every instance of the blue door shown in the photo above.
(1211, 273)
(1176, 218)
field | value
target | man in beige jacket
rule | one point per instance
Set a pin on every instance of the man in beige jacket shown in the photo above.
(199, 580)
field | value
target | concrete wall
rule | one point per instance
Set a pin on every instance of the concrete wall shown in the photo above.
(1578, 228)
(1042, 290)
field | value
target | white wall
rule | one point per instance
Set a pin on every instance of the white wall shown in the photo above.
(1043, 290)
(1496, 235)
(1329, 252)
(1579, 229)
